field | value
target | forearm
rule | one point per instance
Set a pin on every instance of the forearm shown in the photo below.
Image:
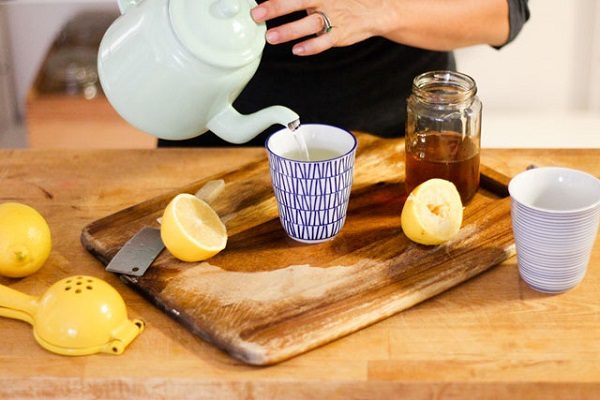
(444, 24)
(429, 24)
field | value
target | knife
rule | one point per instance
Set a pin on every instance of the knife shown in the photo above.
(139, 252)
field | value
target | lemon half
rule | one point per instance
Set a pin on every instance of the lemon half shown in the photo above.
(191, 230)
(25, 240)
(433, 212)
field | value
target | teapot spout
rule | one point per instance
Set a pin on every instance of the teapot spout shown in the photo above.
(237, 128)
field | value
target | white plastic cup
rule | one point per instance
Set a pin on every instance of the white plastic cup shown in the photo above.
(555, 215)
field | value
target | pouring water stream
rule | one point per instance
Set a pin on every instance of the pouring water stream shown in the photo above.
(300, 142)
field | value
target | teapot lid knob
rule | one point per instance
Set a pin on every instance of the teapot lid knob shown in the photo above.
(225, 8)
(219, 32)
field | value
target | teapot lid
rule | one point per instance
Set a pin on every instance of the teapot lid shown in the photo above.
(219, 32)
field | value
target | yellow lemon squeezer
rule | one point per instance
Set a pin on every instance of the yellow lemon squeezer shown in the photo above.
(76, 316)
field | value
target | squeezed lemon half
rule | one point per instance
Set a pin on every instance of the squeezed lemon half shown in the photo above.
(25, 240)
(432, 213)
(191, 230)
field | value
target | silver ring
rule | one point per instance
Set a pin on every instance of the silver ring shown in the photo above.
(327, 26)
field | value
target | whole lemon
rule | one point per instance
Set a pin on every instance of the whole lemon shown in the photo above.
(25, 240)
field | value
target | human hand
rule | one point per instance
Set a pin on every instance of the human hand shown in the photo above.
(351, 21)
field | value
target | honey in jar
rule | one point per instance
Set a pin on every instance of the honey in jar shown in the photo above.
(443, 131)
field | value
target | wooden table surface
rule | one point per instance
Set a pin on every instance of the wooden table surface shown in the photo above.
(491, 337)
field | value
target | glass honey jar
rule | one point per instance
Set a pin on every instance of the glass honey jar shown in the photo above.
(443, 131)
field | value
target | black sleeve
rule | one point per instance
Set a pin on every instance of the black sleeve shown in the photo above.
(518, 14)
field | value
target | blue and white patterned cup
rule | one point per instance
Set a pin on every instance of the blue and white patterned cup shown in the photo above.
(312, 196)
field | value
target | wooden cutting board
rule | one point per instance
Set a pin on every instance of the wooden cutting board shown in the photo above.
(266, 298)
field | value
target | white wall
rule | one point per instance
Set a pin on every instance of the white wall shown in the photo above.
(548, 66)
(542, 90)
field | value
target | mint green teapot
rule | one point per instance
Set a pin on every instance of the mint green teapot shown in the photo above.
(173, 68)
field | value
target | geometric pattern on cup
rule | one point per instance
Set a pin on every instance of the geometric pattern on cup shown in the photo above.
(310, 186)
(308, 217)
(307, 221)
(312, 233)
(322, 202)
(312, 196)
(313, 204)
(311, 170)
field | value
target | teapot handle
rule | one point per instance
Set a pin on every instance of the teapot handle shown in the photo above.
(124, 5)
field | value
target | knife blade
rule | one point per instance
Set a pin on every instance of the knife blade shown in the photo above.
(136, 256)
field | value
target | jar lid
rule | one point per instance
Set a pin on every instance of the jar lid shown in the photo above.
(219, 32)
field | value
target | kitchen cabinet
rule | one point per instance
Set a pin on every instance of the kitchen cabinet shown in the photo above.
(63, 121)
(66, 107)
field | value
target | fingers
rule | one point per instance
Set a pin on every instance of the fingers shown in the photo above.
(277, 8)
(307, 26)
(314, 46)
(310, 25)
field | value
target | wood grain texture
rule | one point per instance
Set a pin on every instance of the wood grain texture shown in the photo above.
(267, 298)
(492, 337)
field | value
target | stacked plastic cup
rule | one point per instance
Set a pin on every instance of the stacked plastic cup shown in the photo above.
(555, 216)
